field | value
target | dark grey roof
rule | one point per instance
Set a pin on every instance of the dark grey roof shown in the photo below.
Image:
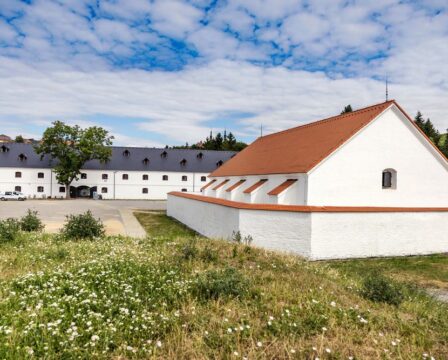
(175, 159)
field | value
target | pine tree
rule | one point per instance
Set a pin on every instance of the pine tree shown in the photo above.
(218, 141)
(431, 131)
(347, 109)
(444, 146)
(419, 121)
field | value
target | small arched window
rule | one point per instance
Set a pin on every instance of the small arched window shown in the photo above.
(22, 157)
(163, 155)
(4, 149)
(203, 178)
(165, 177)
(126, 153)
(389, 179)
(200, 155)
(145, 161)
(219, 163)
(183, 162)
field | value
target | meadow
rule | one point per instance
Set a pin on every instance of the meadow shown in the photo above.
(176, 295)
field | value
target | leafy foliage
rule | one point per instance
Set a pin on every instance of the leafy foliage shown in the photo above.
(72, 147)
(226, 283)
(219, 142)
(376, 287)
(9, 230)
(82, 226)
(31, 222)
(347, 109)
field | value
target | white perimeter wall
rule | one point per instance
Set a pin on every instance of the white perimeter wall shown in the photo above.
(124, 189)
(352, 176)
(294, 195)
(320, 235)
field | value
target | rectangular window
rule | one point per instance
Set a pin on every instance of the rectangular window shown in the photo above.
(387, 179)
(62, 189)
(145, 177)
(40, 175)
(104, 190)
(18, 188)
(125, 177)
(144, 190)
(83, 176)
(40, 189)
(104, 176)
(184, 178)
(18, 174)
(165, 177)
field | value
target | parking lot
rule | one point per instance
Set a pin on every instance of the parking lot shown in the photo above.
(117, 215)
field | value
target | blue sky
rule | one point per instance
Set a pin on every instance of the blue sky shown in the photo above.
(166, 72)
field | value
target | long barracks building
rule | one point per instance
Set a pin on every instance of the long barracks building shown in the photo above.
(131, 172)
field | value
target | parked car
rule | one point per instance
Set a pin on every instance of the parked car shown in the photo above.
(12, 195)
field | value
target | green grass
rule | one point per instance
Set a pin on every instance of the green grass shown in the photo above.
(175, 295)
(426, 271)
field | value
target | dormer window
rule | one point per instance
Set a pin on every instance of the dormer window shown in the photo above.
(164, 154)
(200, 155)
(389, 179)
(4, 149)
(22, 157)
(183, 162)
(219, 163)
(145, 161)
(126, 153)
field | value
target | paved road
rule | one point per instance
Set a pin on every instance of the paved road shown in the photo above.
(116, 214)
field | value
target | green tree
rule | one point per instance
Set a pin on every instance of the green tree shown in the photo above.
(431, 131)
(218, 141)
(444, 146)
(347, 109)
(72, 147)
(419, 121)
(19, 139)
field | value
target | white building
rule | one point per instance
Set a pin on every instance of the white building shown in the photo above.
(366, 183)
(131, 173)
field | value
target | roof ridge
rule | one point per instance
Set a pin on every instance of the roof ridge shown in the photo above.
(331, 118)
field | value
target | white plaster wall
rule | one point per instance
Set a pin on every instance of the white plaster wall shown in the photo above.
(124, 189)
(295, 194)
(352, 176)
(277, 230)
(210, 220)
(357, 235)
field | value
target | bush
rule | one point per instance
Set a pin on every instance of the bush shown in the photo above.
(9, 230)
(376, 287)
(209, 255)
(215, 284)
(31, 222)
(82, 226)
(189, 251)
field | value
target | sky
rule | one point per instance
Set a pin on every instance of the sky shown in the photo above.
(165, 72)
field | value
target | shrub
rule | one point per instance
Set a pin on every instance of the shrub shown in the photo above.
(376, 287)
(31, 222)
(9, 230)
(209, 255)
(238, 238)
(82, 226)
(215, 284)
(189, 250)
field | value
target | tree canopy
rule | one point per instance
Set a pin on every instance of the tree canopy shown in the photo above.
(218, 142)
(72, 147)
(347, 109)
(429, 129)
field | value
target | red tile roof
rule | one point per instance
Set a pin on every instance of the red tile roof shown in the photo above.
(255, 186)
(208, 184)
(303, 208)
(299, 149)
(234, 186)
(282, 187)
(221, 184)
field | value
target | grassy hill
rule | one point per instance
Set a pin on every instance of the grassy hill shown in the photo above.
(175, 295)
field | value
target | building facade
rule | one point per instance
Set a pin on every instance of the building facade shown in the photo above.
(131, 173)
(366, 183)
